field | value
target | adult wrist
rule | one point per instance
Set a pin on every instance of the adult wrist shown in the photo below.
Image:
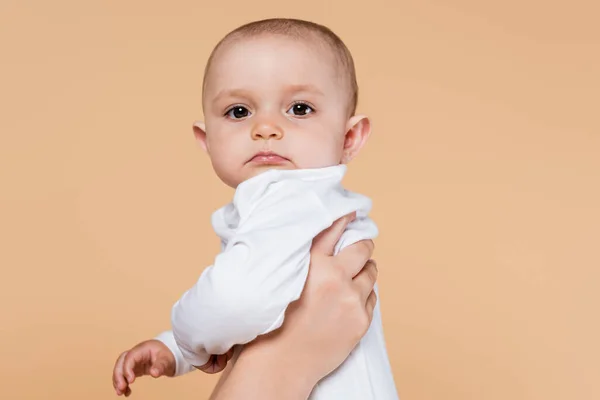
(277, 370)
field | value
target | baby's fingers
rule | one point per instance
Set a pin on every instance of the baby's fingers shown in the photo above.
(216, 363)
(159, 367)
(119, 382)
(133, 359)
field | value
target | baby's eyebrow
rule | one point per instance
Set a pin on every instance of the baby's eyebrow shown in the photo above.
(296, 88)
(233, 93)
(304, 88)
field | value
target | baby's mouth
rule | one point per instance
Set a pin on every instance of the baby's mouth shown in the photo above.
(268, 158)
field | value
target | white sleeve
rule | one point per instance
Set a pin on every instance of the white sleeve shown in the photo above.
(260, 272)
(182, 366)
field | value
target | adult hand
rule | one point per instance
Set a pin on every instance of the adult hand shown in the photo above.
(320, 329)
(336, 306)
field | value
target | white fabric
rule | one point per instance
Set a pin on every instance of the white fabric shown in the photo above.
(266, 234)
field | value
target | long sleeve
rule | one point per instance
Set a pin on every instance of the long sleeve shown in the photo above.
(182, 366)
(263, 266)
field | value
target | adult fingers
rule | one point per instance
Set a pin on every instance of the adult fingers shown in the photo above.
(325, 241)
(371, 302)
(365, 279)
(353, 258)
(119, 382)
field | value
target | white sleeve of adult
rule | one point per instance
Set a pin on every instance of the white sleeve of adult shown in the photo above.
(260, 272)
(182, 366)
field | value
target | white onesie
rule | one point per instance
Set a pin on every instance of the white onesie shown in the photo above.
(266, 235)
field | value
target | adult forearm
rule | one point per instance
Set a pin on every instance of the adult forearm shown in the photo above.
(266, 371)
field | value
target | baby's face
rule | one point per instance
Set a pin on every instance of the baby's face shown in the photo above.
(274, 102)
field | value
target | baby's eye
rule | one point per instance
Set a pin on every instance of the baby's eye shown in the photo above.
(301, 109)
(238, 112)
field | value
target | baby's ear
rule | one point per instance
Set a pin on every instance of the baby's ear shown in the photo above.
(358, 130)
(200, 134)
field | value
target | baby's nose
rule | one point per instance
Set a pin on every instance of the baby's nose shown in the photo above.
(266, 132)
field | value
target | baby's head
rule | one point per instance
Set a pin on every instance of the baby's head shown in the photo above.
(279, 93)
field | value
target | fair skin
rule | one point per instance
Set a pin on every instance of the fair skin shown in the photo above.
(320, 330)
(290, 101)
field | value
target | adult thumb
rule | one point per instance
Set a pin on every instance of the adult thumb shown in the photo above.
(324, 242)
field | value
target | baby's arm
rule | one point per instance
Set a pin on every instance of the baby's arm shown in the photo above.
(261, 271)
(182, 366)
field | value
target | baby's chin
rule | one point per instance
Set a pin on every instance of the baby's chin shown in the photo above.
(250, 171)
(259, 169)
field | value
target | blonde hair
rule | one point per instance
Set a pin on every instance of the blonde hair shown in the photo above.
(297, 29)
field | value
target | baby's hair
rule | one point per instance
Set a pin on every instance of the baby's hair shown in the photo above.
(297, 29)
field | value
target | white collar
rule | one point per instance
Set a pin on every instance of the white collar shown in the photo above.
(226, 219)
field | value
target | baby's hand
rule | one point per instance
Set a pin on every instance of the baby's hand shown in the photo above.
(150, 357)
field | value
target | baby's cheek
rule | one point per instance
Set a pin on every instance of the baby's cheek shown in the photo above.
(226, 164)
(320, 154)
(227, 173)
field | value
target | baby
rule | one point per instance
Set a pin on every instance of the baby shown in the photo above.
(279, 99)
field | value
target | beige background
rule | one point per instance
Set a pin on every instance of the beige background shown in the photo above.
(484, 167)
